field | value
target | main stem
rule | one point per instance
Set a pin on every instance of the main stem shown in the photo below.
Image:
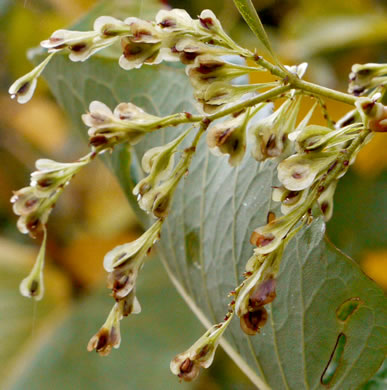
(297, 83)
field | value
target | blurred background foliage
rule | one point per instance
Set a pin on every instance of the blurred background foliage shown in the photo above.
(44, 344)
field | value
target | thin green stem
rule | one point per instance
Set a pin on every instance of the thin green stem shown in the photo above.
(306, 86)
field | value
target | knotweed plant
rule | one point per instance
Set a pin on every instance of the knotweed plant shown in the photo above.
(311, 158)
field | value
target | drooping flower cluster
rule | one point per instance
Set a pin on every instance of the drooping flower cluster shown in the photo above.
(34, 204)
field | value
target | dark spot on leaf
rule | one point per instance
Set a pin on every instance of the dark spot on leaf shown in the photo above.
(348, 308)
(334, 360)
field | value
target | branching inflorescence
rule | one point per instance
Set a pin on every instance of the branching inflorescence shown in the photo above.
(311, 158)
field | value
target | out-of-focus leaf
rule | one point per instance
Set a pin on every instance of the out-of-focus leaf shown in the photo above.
(340, 32)
(358, 222)
(20, 318)
(60, 360)
(379, 381)
(205, 242)
(247, 10)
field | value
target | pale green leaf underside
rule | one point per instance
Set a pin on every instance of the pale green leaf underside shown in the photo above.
(205, 241)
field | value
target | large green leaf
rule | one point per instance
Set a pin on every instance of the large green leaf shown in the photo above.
(58, 358)
(205, 243)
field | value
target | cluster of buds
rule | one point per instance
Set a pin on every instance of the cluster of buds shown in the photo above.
(34, 204)
(364, 79)
(211, 78)
(187, 365)
(270, 134)
(173, 36)
(155, 191)
(128, 123)
(123, 264)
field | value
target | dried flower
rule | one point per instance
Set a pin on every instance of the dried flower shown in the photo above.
(229, 137)
(124, 256)
(269, 135)
(201, 355)
(108, 336)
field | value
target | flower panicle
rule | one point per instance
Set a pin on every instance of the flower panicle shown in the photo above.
(172, 36)
(33, 204)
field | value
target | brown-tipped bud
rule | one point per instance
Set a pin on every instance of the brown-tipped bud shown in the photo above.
(188, 370)
(260, 240)
(253, 321)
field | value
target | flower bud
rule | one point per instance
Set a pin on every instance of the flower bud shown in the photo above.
(158, 162)
(201, 355)
(108, 336)
(365, 77)
(136, 54)
(208, 69)
(299, 172)
(107, 27)
(24, 87)
(269, 237)
(51, 175)
(33, 209)
(32, 286)
(325, 201)
(220, 92)
(269, 135)
(175, 20)
(122, 256)
(188, 49)
(373, 114)
(229, 137)
(128, 123)
(131, 305)
(289, 199)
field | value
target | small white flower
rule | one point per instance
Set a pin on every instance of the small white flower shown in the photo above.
(107, 26)
(299, 172)
(201, 355)
(175, 20)
(65, 38)
(24, 87)
(229, 137)
(123, 255)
